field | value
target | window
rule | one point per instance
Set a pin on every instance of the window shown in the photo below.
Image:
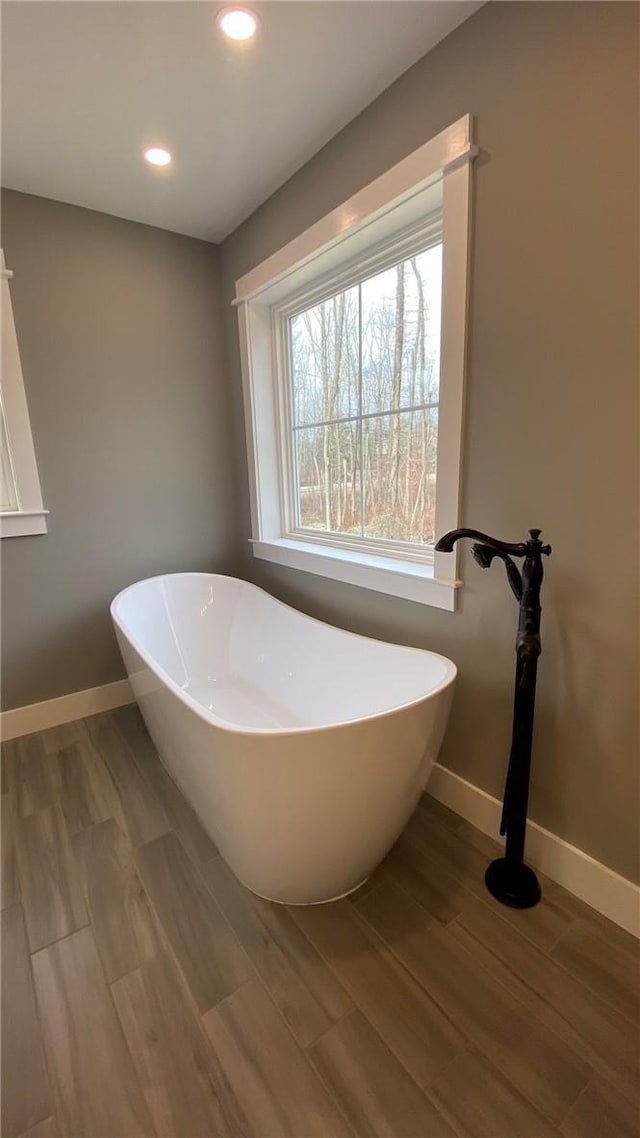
(352, 342)
(21, 509)
(364, 375)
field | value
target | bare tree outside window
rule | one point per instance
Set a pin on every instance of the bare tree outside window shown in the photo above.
(365, 368)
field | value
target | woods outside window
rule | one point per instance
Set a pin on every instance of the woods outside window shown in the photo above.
(352, 341)
(364, 368)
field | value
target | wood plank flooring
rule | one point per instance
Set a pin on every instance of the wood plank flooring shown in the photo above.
(22, 1045)
(147, 993)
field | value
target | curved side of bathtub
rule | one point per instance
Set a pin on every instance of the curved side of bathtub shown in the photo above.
(301, 817)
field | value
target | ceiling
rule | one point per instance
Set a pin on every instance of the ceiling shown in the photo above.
(86, 85)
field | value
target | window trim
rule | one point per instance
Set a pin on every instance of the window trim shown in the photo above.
(31, 517)
(395, 203)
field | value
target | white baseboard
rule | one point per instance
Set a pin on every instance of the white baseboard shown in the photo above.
(52, 712)
(594, 883)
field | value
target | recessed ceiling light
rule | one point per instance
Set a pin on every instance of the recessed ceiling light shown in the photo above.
(157, 156)
(237, 23)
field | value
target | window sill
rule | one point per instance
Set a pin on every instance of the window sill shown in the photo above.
(23, 523)
(405, 579)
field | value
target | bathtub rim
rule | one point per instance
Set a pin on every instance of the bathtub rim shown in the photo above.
(214, 720)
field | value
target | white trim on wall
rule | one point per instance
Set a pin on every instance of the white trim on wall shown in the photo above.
(52, 712)
(454, 146)
(404, 579)
(424, 197)
(29, 515)
(594, 883)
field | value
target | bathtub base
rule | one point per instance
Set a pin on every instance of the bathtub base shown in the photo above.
(306, 904)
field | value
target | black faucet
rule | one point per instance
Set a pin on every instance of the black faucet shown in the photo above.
(508, 878)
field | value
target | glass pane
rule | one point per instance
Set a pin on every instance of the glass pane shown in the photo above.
(401, 334)
(325, 360)
(8, 497)
(400, 476)
(328, 472)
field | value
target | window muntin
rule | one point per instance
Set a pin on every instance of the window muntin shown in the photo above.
(364, 369)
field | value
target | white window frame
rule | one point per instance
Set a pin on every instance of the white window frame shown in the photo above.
(30, 517)
(378, 226)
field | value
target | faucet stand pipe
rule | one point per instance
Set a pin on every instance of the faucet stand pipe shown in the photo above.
(508, 878)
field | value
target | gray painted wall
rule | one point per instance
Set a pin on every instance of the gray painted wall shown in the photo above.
(552, 401)
(119, 332)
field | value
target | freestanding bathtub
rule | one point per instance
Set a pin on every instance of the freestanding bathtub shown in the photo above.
(302, 748)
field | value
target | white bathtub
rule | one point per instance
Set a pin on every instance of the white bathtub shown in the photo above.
(302, 748)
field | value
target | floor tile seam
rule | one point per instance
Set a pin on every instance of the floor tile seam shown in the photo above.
(289, 960)
(441, 861)
(471, 1043)
(36, 1002)
(589, 993)
(306, 1058)
(422, 1090)
(590, 989)
(169, 949)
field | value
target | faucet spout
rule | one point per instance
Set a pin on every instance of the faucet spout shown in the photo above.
(446, 543)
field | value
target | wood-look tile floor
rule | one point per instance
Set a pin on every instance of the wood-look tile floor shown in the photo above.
(146, 992)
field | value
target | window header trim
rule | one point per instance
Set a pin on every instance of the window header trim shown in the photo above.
(407, 180)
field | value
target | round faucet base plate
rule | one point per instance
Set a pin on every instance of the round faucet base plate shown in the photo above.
(513, 883)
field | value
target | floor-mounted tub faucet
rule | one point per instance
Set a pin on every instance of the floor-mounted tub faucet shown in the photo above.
(508, 878)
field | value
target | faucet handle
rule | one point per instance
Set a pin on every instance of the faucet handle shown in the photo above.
(484, 555)
(535, 536)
